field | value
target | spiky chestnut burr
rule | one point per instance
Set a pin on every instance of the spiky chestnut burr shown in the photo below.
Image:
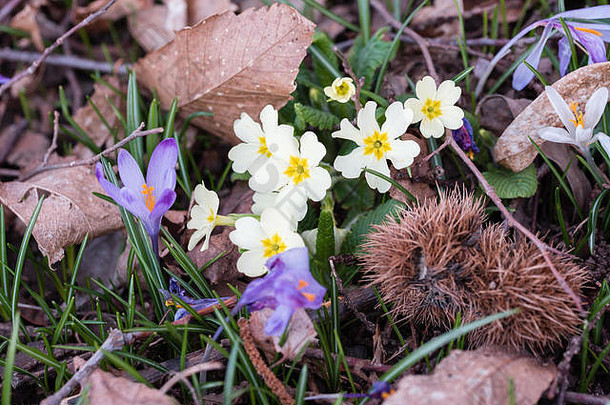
(436, 260)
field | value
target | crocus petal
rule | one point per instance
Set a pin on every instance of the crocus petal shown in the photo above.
(278, 321)
(523, 75)
(110, 189)
(350, 165)
(403, 153)
(558, 135)
(425, 88)
(133, 202)
(593, 44)
(589, 13)
(416, 106)
(162, 205)
(366, 119)
(432, 128)
(161, 168)
(4, 79)
(604, 141)
(130, 172)
(397, 120)
(565, 54)
(595, 107)
(561, 108)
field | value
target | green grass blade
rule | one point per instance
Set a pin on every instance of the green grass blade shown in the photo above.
(230, 376)
(10, 362)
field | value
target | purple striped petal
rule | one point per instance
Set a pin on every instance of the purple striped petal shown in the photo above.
(565, 54)
(133, 201)
(113, 191)
(161, 167)
(277, 322)
(130, 172)
(593, 44)
(589, 13)
(523, 75)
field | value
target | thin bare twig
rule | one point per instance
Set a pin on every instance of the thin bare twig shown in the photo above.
(436, 152)
(184, 374)
(419, 40)
(512, 222)
(85, 162)
(36, 64)
(8, 8)
(69, 61)
(115, 341)
(53, 146)
(586, 399)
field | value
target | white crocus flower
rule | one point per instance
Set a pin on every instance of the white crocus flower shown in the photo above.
(273, 234)
(204, 216)
(578, 126)
(436, 108)
(375, 145)
(263, 148)
(342, 89)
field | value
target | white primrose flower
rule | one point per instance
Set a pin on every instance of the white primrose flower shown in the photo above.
(204, 216)
(375, 145)
(292, 206)
(342, 89)
(578, 126)
(435, 108)
(262, 148)
(273, 234)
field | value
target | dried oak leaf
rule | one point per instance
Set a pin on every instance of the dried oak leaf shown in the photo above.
(514, 149)
(229, 64)
(106, 389)
(69, 212)
(300, 334)
(480, 377)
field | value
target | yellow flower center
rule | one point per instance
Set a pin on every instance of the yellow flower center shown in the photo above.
(298, 170)
(302, 284)
(262, 149)
(211, 216)
(377, 144)
(342, 89)
(149, 198)
(432, 108)
(589, 30)
(579, 119)
(273, 246)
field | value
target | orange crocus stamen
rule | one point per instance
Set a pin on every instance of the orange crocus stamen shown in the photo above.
(303, 284)
(589, 30)
(149, 198)
(579, 119)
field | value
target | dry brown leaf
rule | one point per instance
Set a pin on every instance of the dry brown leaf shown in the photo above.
(419, 189)
(86, 117)
(301, 333)
(498, 111)
(106, 389)
(25, 20)
(230, 64)
(201, 9)
(28, 150)
(120, 9)
(148, 28)
(514, 149)
(481, 377)
(69, 211)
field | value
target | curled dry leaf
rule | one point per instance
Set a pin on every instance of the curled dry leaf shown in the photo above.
(498, 111)
(481, 377)
(229, 64)
(300, 333)
(69, 212)
(514, 149)
(103, 98)
(25, 20)
(106, 389)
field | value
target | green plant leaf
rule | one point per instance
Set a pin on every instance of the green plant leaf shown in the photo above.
(365, 59)
(325, 45)
(314, 117)
(363, 224)
(513, 185)
(325, 242)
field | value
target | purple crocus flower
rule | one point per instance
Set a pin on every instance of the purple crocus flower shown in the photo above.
(288, 286)
(464, 138)
(590, 35)
(4, 79)
(176, 291)
(147, 199)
